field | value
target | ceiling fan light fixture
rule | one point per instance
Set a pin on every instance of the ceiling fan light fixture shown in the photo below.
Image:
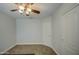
(20, 11)
(29, 10)
(25, 8)
(21, 7)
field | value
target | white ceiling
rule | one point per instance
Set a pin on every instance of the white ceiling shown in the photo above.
(46, 9)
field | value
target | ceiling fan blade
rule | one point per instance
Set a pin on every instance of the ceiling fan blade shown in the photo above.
(36, 11)
(14, 10)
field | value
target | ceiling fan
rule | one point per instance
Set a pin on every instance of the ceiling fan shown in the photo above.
(25, 8)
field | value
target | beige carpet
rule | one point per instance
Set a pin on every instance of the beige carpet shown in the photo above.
(30, 50)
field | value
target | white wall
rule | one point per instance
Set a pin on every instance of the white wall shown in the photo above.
(29, 31)
(7, 32)
(65, 30)
(34, 31)
(46, 31)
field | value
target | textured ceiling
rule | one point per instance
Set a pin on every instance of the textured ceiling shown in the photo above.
(46, 10)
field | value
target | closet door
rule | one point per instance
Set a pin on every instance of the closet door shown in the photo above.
(71, 32)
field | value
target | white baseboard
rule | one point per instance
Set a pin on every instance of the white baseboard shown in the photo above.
(27, 43)
(7, 49)
(56, 51)
(52, 48)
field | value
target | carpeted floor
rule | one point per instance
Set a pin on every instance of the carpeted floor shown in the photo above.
(30, 50)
